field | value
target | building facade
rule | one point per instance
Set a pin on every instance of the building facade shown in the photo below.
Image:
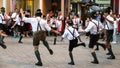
(65, 6)
(7, 4)
(44, 5)
(115, 4)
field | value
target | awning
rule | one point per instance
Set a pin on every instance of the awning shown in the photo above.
(95, 8)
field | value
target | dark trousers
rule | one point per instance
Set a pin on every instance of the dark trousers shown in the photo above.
(72, 44)
(93, 40)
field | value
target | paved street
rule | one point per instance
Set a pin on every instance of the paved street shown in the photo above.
(22, 55)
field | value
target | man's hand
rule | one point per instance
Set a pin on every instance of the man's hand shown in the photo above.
(82, 30)
(57, 32)
(61, 39)
(21, 10)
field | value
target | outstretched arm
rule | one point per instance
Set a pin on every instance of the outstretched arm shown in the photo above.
(52, 30)
(21, 11)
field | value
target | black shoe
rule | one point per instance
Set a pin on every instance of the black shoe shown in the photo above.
(51, 52)
(83, 44)
(108, 53)
(104, 47)
(20, 42)
(95, 62)
(97, 49)
(54, 43)
(111, 57)
(39, 64)
(71, 63)
(3, 46)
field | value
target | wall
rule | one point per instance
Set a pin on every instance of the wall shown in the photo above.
(1, 3)
(8, 6)
(36, 5)
(46, 6)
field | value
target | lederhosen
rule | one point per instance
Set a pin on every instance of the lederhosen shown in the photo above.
(109, 34)
(39, 35)
(94, 38)
(73, 42)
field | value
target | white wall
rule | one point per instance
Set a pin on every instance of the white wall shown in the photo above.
(4, 3)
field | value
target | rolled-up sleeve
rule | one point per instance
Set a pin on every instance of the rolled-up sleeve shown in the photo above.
(89, 27)
(64, 34)
(101, 26)
(47, 27)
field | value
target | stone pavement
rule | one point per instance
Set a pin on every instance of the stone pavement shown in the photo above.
(22, 55)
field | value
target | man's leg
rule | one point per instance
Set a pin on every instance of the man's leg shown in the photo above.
(81, 44)
(71, 57)
(97, 47)
(37, 54)
(20, 28)
(102, 45)
(55, 40)
(71, 46)
(2, 39)
(92, 42)
(47, 46)
(20, 38)
(110, 52)
(76, 44)
(3, 46)
(95, 61)
(108, 46)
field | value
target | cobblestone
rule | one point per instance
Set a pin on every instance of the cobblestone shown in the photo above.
(22, 55)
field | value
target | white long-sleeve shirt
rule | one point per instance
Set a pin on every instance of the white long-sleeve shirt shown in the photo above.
(93, 28)
(2, 18)
(68, 35)
(109, 25)
(17, 19)
(34, 23)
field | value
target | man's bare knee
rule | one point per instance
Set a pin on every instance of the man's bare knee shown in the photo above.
(36, 48)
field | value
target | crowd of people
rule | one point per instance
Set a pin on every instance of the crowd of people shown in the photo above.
(100, 25)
